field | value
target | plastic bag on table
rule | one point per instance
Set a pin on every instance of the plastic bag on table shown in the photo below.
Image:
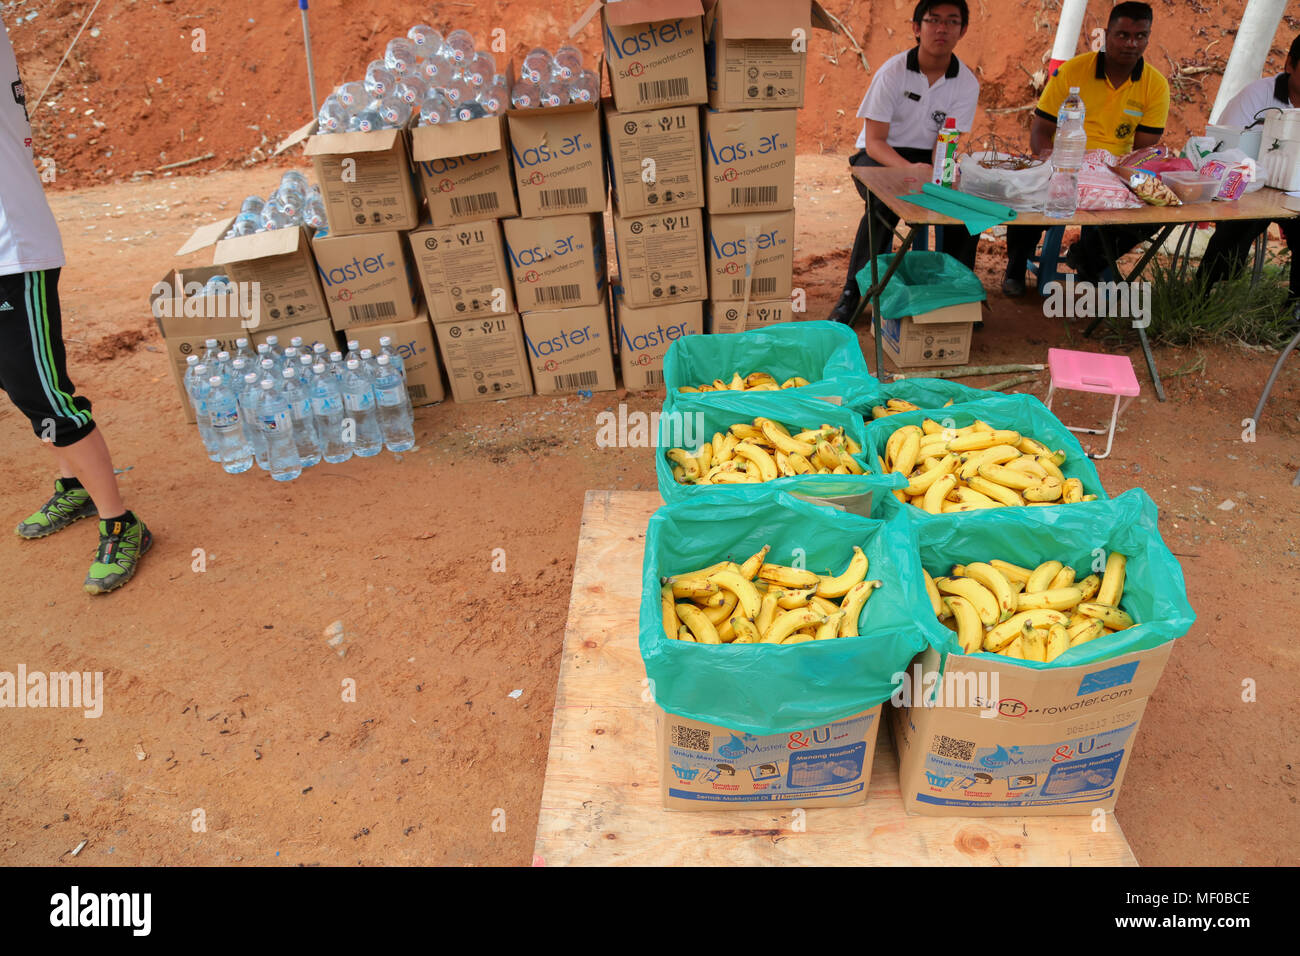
(1024, 190)
(1236, 172)
(1101, 188)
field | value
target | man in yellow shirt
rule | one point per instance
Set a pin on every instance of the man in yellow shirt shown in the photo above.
(1126, 104)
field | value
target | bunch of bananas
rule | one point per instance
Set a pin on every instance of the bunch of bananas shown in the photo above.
(964, 469)
(760, 603)
(753, 382)
(765, 451)
(896, 406)
(1033, 615)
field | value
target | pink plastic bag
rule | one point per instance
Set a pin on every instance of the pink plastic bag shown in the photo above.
(1100, 188)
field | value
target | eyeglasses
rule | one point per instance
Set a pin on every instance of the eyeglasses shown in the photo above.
(951, 23)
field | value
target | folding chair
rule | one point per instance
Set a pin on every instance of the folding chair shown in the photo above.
(1093, 372)
(1268, 386)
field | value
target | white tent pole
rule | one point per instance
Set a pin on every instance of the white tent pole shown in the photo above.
(1067, 32)
(1249, 50)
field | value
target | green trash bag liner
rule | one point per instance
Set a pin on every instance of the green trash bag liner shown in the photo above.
(1022, 413)
(689, 420)
(924, 281)
(928, 393)
(1081, 536)
(775, 688)
(817, 351)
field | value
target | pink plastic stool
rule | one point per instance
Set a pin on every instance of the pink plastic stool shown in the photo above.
(1093, 372)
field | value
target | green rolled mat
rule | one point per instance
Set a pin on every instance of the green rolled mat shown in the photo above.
(976, 214)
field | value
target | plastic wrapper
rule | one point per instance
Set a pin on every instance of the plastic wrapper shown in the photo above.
(1024, 190)
(1151, 190)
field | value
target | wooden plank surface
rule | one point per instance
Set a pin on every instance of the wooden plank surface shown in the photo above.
(888, 184)
(600, 800)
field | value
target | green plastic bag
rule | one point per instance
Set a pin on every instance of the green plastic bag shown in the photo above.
(771, 688)
(928, 393)
(1023, 413)
(689, 420)
(1081, 536)
(924, 281)
(822, 352)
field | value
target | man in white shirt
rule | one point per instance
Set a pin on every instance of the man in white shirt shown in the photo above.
(1226, 253)
(33, 367)
(906, 104)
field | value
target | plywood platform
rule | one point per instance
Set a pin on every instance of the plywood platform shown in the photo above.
(600, 801)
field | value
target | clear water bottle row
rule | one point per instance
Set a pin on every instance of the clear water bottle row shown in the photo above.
(288, 410)
(293, 203)
(547, 81)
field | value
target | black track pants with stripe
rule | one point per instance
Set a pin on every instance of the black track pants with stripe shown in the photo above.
(33, 366)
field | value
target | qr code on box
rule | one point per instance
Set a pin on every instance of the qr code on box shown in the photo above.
(954, 749)
(688, 738)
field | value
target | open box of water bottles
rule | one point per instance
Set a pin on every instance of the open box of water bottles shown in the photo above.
(290, 409)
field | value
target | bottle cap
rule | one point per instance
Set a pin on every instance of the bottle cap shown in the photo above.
(288, 373)
(319, 368)
(353, 365)
(250, 378)
(241, 343)
(267, 384)
(383, 360)
(366, 354)
(214, 381)
(336, 356)
(385, 341)
(192, 360)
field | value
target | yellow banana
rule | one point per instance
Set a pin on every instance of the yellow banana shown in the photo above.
(968, 496)
(688, 463)
(745, 432)
(999, 493)
(787, 577)
(970, 631)
(1001, 635)
(669, 612)
(726, 631)
(800, 464)
(718, 611)
(1028, 466)
(934, 497)
(790, 621)
(1046, 491)
(1112, 580)
(908, 452)
(1058, 642)
(701, 626)
(1042, 576)
(749, 570)
(1033, 644)
(782, 440)
(742, 588)
(973, 441)
(795, 598)
(1008, 477)
(694, 589)
(936, 600)
(1057, 599)
(980, 597)
(838, 585)
(830, 627)
(1064, 578)
(746, 631)
(1090, 586)
(1014, 649)
(1012, 572)
(920, 484)
(996, 582)
(767, 610)
(684, 634)
(822, 604)
(852, 606)
(1072, 491)
(751, 452)
(1112, 617)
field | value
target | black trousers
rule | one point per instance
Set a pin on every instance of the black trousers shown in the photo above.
(957, 242)
(1230, 245)
(1022, 241)
(33, 366)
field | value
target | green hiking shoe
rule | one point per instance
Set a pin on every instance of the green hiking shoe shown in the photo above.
(121, 545)
(67, 505)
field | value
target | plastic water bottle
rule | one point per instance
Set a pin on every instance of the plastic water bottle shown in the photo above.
(457, 91)
(337, 366)
(305, 363)
(304, 422)
(276, 422)
(367, 121)
(437, 68)
(427, 40)
(412, 90)
(396, 418)
(352, 96)
(249, 394)
(537, 65)
(435, 109)
(460, 43)
(196, 388)
(395, 357)
(394, 111)
(273, 343)
(554, 91)
(471, 110)
(585, 87)
(210, 350)
(242, 350)
(359, 401)
(478, 73)
(495, 98)
(525, 95)
(568, 62)
(1068, 147)
(354, 351)
(327, 409)
(400, 56)
(223, 409)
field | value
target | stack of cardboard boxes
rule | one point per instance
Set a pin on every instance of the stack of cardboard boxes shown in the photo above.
(654, 51)
(756, 56)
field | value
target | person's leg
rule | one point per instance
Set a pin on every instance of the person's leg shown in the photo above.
(961, 245)
(1291, 233)
(860, 255)
(1088, 255)
(1227, 250)
(1021, 243)
(88, 461)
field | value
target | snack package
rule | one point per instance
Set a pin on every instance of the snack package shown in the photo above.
(1100, 188)
(1234, 176)
(1140, 157)
(1151, 190)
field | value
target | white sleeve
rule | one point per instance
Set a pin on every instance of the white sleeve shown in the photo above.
(882, 95)
(966, 107)
(1240, 111)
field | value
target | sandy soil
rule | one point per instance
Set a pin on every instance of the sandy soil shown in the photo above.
(222, 694)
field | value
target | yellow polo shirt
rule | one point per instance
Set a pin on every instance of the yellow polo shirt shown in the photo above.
(1111, 114)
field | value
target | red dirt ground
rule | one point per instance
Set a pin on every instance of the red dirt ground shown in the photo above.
(222, 679)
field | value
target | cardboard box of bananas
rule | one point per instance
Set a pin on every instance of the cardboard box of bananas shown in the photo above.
(1066, 587)
(740, 440)
(956, 462)
(807, 356)
(821, 657)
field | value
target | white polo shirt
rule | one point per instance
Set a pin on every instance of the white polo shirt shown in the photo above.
(29, 236)
(901, 96)
(1271, 91)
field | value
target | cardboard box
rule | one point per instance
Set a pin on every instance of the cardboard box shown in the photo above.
(644, 336)
(365, 180)
(939, 337)
(751, 256)
(277, 267)
(186, 320)
(654, 51)
(1059, 745)
(557, 159)
(463, 269)
(485, 358)
(749, 160)
(413, 341)
(734, 317)
(464, 170)
(699, 769)
(367, 279)
(557, 262)
(753, 55)
(654, 159)
(569, 350)
(311, 332)
(661, 256)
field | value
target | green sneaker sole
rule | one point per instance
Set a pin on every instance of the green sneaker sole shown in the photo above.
(113, 583)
